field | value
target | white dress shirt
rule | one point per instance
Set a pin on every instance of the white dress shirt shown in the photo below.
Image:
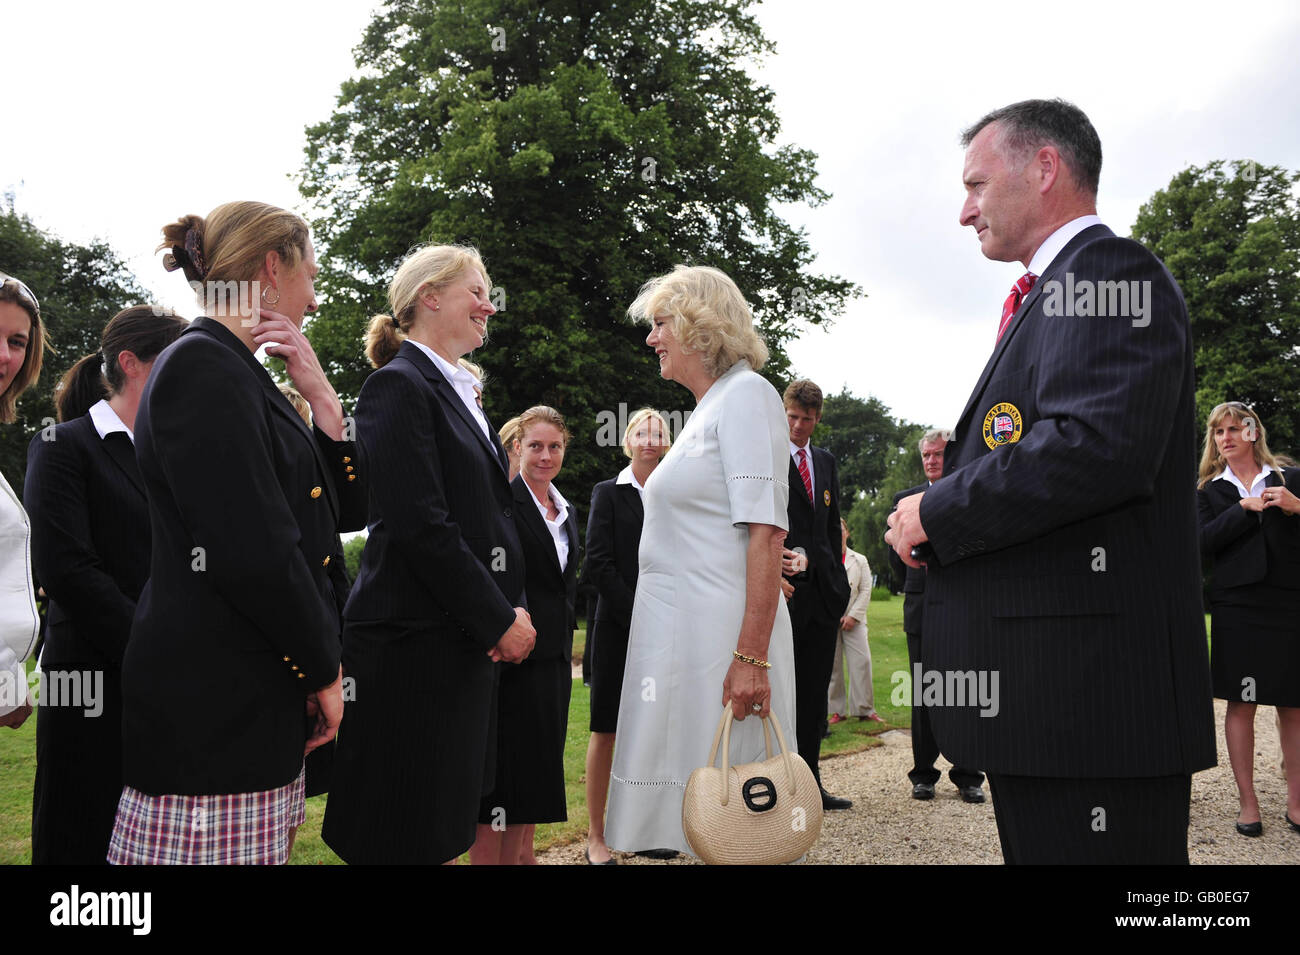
(556, 527)
(1058, 240)
(1256, 487)
(19, 622)
(106, 421)
(462, 382)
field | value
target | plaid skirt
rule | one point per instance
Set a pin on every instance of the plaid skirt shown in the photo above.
(222, 829)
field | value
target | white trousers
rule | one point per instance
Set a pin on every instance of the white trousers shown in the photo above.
(852, 644)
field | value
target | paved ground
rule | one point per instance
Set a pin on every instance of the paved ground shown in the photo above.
(887, 826)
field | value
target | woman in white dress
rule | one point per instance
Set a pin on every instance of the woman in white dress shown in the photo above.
(708, 616)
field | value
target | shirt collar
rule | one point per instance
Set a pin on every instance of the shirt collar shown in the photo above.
(1058, 240)
(1227, 474)
(561, 505)
(626, 476)
(795, 449)
(456, 376)
(106, 421)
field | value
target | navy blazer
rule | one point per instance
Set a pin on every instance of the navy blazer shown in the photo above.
(442, 547)
(238, 621)
(1064, 537)
(90, 540)
(823, 595)
(1237, 544)
(913, 577)
(611, 565)
(551, 591)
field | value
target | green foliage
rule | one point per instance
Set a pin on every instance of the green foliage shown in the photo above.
(352, 555)
(584, 148)
(862, 435)
(867, 519)
(1230, 234)
(80, 288)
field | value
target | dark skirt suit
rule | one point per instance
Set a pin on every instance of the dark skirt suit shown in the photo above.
(440, 577)
(238, 622)
(90, 549)
(1254, 594)
(533, 698)
(613, 538)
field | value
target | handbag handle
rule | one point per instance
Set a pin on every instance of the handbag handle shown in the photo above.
(723, 736)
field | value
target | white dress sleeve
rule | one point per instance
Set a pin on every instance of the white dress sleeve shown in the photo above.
(752, 440)
(19, 622)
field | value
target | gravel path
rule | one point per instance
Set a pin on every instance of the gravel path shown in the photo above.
(887, 826)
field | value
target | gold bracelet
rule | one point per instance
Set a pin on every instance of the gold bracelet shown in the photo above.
(754, 660)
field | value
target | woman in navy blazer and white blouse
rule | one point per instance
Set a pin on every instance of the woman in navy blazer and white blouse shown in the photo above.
(1250, 534)
(438, 598)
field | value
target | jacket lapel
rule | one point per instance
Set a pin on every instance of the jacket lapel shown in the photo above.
(633, 498)
(532, 518)
(447, 393)
(800, 491)
(119, 447)
(1049, 274)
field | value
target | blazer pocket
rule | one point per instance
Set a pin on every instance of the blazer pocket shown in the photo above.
(1067, 595)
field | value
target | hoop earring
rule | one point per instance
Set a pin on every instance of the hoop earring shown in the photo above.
(268, 301)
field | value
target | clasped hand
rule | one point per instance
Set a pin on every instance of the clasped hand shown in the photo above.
(517, 642)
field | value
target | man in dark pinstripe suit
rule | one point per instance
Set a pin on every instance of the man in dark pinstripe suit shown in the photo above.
(1062, 542)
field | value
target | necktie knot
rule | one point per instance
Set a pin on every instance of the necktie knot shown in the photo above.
(1018, 292)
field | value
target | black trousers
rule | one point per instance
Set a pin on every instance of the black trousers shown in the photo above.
(814, 657)
(1052, 821)
(925, 750)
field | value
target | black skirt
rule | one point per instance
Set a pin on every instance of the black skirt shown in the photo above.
(532, 720)
(415, 745)
(607, 664)
(78, 768)
(1255, 652)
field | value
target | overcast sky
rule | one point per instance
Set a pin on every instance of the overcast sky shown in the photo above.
(117, 118)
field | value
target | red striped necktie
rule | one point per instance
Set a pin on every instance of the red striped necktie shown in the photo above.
(1018, 293)
(803, 473)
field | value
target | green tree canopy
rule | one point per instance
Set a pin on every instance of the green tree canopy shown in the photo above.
(1230, 234)
(901, 464)
(584, 147)
(863, 436)
(80, 288)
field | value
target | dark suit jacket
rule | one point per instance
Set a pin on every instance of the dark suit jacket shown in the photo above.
(824, 595)
(613, 541)
(913, 577)
(551, 591)
(442, 546)
(1065, 562)
(238, 622)
(90, 540)
(1237, 543)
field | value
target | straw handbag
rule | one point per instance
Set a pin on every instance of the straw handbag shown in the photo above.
(756, 813)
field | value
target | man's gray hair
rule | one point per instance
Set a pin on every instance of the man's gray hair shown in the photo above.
(1030, 125)
(934, 434)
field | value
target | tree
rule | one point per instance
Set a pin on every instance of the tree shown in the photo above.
(80, 288)
(1231, 237)
(868, 516)
(861, 434)
(583, 147)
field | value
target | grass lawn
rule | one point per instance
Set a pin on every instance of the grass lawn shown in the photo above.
(888, 655)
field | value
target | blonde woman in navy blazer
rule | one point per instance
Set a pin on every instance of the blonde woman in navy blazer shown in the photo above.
(1250, 535)
(439, 595)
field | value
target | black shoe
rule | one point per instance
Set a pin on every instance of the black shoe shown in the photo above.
(1251, 829)
(1294, 825)
(923, 791)
(971, 793)
(830, 803)
(610, 861)
(659, 853)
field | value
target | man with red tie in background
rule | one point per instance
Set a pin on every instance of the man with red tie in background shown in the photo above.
(1061, 544)
(813, 567)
